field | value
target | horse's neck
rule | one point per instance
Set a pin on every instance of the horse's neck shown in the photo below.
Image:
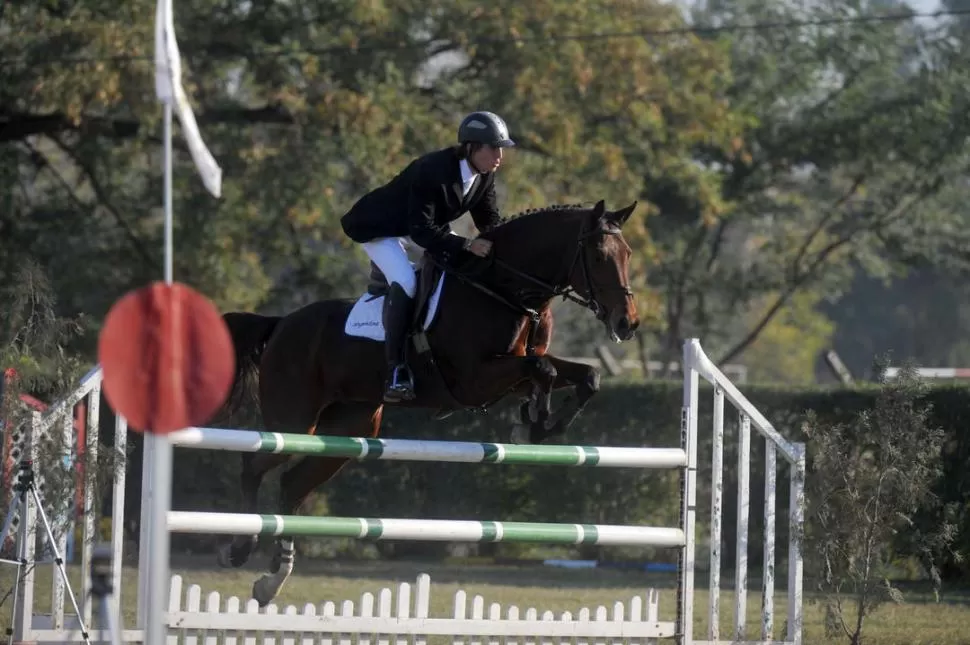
(541, 256)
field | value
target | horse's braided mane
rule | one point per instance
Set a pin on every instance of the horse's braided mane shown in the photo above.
(544, 209)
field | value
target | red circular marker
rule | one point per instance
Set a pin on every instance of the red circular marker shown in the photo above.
(167, 358)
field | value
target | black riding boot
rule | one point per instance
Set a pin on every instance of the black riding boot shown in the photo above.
(397, 317)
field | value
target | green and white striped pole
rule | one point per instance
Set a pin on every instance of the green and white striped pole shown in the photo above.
(419, 529)
(423, 450)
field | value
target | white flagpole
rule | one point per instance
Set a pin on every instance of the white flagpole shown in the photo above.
(158, 452)
(158, 448)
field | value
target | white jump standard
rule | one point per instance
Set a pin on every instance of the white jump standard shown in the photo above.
(216, 622)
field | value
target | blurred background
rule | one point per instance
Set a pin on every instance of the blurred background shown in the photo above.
(801, 166)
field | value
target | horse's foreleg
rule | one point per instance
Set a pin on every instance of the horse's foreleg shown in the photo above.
(296, 484)
(303, 478)
(535, 375)
(586, 379)
(254, 467)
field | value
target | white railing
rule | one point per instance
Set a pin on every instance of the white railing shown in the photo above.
(794, 453)
(54, 626)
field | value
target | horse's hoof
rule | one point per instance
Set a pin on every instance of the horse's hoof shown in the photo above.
(554, 429)
(519, 434)
(225, 556)
(231, 557)
(561, 419)
(264, 590)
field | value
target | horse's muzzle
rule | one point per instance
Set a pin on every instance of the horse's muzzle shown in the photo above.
(622, 328)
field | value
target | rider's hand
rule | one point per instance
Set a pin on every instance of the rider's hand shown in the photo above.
(480, 247)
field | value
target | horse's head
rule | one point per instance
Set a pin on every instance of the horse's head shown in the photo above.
(600, 273)
(573, 251)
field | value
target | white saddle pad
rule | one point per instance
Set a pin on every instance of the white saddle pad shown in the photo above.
(366, 317)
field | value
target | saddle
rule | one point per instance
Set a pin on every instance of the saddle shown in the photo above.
(427, 274)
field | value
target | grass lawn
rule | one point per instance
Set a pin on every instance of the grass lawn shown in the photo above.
(918, 620)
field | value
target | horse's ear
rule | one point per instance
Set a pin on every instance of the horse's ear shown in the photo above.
(600, 208)
(621, 216)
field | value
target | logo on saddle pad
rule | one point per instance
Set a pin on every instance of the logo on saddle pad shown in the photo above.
(366, 318)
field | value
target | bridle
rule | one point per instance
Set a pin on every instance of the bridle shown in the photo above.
(560, 287)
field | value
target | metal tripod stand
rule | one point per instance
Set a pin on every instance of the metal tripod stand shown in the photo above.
(24, 485)
(101, 590)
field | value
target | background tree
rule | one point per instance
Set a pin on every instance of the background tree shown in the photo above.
(854, 126)
(307, 105)
(772, 164)
(34, 362)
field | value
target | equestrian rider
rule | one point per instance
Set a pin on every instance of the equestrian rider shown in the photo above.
(421, 202)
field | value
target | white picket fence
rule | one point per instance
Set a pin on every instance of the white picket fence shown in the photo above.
(196, 618)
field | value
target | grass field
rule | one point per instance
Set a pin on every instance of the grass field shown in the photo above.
(917, 621)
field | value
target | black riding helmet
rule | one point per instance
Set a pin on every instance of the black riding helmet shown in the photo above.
(484, 127)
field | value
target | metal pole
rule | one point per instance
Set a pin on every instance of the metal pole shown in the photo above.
(161, 452)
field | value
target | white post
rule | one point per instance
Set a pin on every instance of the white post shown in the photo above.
(744, 505)
(61, 512)
(118, 511)
(768, 593)
(796, 510)
(91, 450)
(717, 505)
(144, 533)
(688, 497)
(159, 450)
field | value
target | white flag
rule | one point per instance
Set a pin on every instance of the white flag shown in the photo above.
(168, 87)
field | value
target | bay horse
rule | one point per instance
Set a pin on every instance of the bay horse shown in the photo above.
(488, 340)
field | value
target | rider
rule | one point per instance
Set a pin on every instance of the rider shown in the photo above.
(421, 202)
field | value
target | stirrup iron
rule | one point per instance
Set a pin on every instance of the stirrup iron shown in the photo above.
(400, 388)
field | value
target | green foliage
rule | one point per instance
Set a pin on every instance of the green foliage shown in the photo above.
(34, 362)
(867, 482)
(309, 104)
(852, 128)
(768, 162)
(787, 350)
(33, 337)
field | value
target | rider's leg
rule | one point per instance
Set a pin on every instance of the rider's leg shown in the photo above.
(391, 258)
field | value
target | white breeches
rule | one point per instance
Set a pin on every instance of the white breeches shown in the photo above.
(390, 256)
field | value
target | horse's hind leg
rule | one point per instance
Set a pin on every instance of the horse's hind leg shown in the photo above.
(254, 467)
(305, 476)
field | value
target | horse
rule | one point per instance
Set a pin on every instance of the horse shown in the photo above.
(481, 333)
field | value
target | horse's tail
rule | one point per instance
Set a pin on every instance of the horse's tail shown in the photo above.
(250, 333)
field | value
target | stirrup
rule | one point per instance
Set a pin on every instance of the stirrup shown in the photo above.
(400, 389)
